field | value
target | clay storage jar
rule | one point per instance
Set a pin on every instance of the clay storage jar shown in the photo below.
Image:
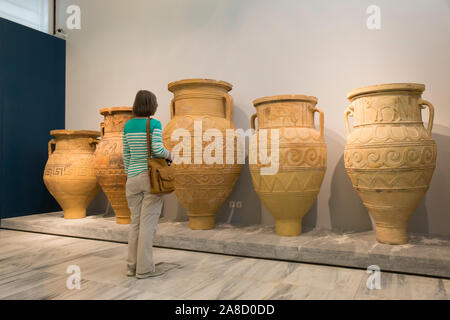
(390, 157)
(202, 188)
(289, 193)
(69, 174)
(108, 160)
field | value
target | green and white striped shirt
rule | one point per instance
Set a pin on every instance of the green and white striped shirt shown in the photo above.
(135, 151)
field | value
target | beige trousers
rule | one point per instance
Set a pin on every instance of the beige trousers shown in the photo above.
(145, 212)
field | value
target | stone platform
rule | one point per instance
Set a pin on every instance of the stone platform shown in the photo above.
(423, 255)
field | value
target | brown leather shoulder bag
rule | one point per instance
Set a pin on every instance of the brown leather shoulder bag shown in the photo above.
(160, 173)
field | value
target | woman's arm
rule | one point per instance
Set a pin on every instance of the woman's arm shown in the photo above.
(126, 152)
(158, 150)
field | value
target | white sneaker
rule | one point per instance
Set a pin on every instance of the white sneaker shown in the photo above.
(155, 273)
(131, 272)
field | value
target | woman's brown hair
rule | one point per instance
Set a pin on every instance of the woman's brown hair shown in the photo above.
(145, 104)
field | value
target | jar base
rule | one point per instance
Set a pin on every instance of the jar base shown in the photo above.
(123, 220)
(392, 236)
(288, 227)
(202, 222)
(74, 214)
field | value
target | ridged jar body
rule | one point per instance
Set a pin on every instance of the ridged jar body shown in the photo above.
(69, 174)
(390, 157)
(108, 161)
(289, 193)
(202, 188)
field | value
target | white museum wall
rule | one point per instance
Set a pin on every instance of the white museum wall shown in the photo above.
(267, 47)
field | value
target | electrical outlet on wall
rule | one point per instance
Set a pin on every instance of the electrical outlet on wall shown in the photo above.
(232, 204)
(238, 204)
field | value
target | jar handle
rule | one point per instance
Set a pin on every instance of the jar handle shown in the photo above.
(102, 129)
(321, 120)
(348, 112)
(172, 108)
(430, 106)
(94, 141)
(252, 121)
(229, 103)
(51, 143)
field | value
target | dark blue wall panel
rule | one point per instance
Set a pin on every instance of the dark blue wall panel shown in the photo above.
(32, 102)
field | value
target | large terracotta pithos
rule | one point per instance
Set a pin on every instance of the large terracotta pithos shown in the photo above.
(202, 188)
(390, 156)
(289, 193)
(108, 160)
(69, 174)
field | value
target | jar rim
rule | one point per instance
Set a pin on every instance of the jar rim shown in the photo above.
(63, 132)
(111, 110)
(175, 84)
(388, 87)
(285, 97)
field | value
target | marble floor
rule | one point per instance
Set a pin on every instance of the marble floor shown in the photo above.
(34, 266)
(422, 255)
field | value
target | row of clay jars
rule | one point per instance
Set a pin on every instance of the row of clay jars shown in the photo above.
(390, 156)
(202, 188)
(391, 180)
(79, 164)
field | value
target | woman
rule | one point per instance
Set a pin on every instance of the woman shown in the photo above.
(145, 207)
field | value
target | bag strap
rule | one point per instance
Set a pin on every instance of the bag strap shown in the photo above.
(149, 140)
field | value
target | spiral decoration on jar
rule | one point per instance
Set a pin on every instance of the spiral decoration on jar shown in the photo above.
(200, 106)
(289, 193)
(108, 160)
(390, 156)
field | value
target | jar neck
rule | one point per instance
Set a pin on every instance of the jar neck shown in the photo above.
(68, 143)
(286, 114)
(387, 108)
(115, 122)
